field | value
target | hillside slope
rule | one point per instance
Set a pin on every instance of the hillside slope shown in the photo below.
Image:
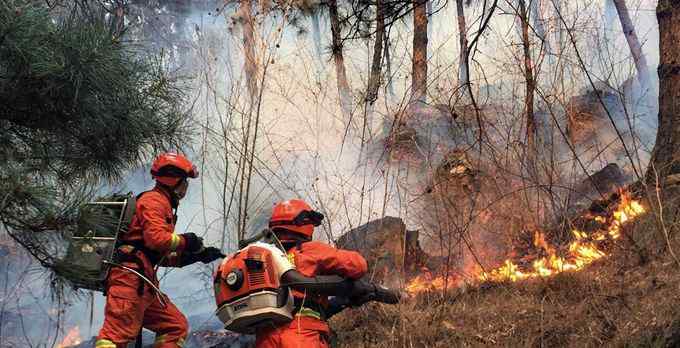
(631, 298)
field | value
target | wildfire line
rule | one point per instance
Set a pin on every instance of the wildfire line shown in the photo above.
(582, 251)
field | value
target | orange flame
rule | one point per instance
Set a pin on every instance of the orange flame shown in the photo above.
(584, 250)
(426, 282)
(72, 338)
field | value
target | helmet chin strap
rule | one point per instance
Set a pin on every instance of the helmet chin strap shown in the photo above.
(287, 235)
(174, 199)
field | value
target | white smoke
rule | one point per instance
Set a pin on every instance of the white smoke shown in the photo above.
(306, 148)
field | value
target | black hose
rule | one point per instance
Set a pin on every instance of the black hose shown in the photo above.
(333, 285)
(330, 285)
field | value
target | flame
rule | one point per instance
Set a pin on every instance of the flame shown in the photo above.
(427, 282)
(585, 249)
(72, 338)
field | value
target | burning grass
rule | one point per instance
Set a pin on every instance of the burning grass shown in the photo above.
(606, 304)
(616, 298)
(72, 338)
(547, 260)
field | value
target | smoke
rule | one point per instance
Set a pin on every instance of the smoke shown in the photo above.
(307, 148)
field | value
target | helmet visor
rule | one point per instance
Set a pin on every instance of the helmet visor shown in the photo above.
(305, 217)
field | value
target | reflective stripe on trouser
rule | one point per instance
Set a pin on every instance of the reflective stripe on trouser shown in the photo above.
(104, 343)
(161, 340)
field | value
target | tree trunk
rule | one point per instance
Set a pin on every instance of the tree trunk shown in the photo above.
(341, 75)
(388, 68)
(528, 77)
(376, 65)
(537, 13)
(429, 23)
(463, 74)
(316, 35)
(250, 63)
(666, 154)
(419, 69)
(117, 25)
(633, 42)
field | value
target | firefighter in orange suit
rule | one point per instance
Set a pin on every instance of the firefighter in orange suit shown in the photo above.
(131, 301)
(293, 222)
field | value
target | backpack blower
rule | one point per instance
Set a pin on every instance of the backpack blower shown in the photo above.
(252, 286)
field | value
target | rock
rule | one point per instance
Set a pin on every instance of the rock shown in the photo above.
(586, 113)
(219, 339)
(381, 242)
(387, 246)
(196, 339)
(456, 175)
(601, 183)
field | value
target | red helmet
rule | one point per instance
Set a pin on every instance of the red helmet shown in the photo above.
(295, 215)
(169, 168)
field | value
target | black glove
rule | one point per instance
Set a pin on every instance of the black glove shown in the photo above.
(206, 255)
(363, 292)
(192, 243)
(210, 254)
(336, 304)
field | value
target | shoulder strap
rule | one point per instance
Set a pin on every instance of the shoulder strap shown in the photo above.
(141, 194)
(130, 210)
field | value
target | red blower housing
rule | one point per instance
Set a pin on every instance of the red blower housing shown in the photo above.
(248, 289)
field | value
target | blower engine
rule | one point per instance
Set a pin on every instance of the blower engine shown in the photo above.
(252, 287)
(248, 288)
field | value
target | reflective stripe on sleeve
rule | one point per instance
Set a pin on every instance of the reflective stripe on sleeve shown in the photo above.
(174, 242)
(291, 258)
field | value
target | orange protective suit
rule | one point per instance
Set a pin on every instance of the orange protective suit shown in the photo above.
(308, 329)
(130, 302)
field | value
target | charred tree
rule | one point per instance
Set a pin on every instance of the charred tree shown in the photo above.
(633, 41)
(666, 153)
(376, 64)
(250, 62)
(539, 27)
(388, 68)
(338, 58)
(117, 24)
(316, 35)
(528, 78)
(463, 74)
(419, 61)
